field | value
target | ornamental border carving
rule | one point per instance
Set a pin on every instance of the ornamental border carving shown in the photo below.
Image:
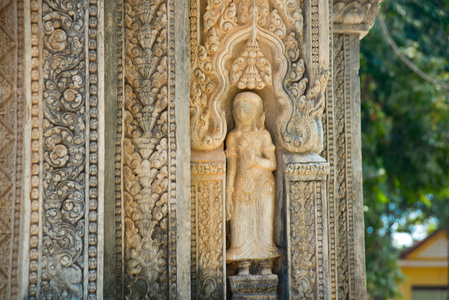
(146, 150)
(11, 149)
(64, 172)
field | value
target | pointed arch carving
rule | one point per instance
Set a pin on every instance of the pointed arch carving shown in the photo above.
(229, 29)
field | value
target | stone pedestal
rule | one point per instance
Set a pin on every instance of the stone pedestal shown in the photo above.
(260, 287)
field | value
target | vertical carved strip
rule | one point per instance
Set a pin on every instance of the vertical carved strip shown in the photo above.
(11, 145)
(346, 262)
(349, 173)
(64, 145)
(36, 116)
(172, 150)
(119, 204)
(208, 230)
(307, 230)
(149, 150)
(315, 38)
(341, 188)
(329, 155)
(92, 150)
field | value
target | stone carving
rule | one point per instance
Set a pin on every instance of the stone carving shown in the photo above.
(67, 188)
(11, 144)
(207, 230)
(355, 16)
(261, 42)
(344, 197)
(250, 188)
(254, 287)
(328, 153)
(149, 155)
(307, 232)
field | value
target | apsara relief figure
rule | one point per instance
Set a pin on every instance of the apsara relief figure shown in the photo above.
(250, 187)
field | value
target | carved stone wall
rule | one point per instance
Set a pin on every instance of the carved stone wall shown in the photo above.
(62, 180)
(12, 107)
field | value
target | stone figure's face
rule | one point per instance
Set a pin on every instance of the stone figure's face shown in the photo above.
(244, 111)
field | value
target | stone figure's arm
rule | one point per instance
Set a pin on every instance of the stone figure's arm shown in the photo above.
(231, 169)
(268, 159)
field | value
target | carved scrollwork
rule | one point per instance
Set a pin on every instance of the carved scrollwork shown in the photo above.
(303, 240)
(262, 42)
(64, 149)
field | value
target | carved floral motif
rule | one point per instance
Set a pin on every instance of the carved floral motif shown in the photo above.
(302, 235)
(306, 238)
(207, 248)
(68, 139)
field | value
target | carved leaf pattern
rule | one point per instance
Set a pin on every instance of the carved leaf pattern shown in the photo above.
(341, 195)
(210, 238)
(302, 237)
(145, 150)
(64, 149)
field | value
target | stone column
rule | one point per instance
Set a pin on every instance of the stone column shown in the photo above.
(351, 22)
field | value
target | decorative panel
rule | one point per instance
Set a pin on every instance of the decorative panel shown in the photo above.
(208, 275)
(307, 256)
(63, 253)
(11, 144)
(146, 151)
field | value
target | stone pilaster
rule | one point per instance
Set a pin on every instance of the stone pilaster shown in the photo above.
(307, 244)
(152, 168)
(208, 223)
(351, 21)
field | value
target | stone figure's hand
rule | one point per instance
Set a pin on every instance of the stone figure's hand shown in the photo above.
(251, 159)
(229, 205)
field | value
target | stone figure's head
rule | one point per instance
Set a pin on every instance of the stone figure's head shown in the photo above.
(248, 110)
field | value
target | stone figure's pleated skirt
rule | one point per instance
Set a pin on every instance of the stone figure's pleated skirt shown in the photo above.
(252, 221)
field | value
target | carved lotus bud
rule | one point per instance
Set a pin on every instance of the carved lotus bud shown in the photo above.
(145, 146)
(145, 93)
(144, 11)
(251, 70)
(146, 36)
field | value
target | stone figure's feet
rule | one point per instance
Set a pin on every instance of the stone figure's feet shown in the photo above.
(265, 267)
(244, 267)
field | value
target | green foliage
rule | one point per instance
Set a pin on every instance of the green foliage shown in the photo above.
(405, 125)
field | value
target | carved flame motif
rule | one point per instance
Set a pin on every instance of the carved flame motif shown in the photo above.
(251, 70)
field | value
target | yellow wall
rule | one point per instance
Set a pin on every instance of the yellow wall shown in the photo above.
(422, 276)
